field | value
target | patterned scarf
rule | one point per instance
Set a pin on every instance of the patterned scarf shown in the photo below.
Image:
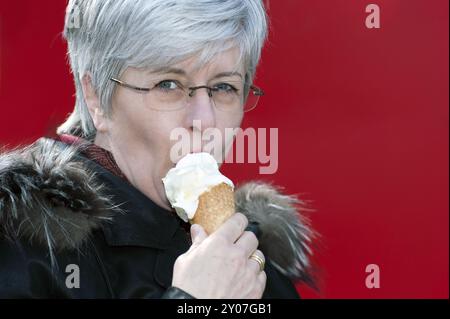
(95, 153)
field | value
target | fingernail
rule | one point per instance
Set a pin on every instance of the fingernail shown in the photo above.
(194, 230)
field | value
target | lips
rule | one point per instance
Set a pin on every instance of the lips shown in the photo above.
(196, 150)
(193, 151)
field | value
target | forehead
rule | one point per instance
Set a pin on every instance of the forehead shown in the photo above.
(226, 61)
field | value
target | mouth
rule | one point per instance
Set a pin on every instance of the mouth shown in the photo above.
(175, 162)
(198, 149)
(194, 151)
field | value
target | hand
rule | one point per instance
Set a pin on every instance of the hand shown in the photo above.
(219, 265)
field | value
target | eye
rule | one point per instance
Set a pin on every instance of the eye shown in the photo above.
(168, 85)
(225, 87)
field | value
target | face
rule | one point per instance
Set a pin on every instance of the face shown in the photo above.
(138, 131)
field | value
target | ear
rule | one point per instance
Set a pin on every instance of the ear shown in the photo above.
(93, 104)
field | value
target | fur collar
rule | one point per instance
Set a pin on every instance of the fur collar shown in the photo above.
(49, 196)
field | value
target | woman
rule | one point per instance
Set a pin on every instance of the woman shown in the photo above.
(86, 216)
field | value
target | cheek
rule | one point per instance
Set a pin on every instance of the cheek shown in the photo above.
(229, 120)
(133, 120)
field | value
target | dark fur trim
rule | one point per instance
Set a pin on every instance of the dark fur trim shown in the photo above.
(48, 196)
(286, 236)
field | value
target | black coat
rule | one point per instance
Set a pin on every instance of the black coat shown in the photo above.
(60, 210)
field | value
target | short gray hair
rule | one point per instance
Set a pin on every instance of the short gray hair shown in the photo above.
(106, 36)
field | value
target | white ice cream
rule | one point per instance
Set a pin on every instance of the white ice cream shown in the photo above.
(193, 175)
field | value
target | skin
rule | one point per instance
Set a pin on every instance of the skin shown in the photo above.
(216, 266)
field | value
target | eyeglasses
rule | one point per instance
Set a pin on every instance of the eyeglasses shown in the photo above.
(171, 95)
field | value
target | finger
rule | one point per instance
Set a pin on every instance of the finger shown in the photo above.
(233, 228)
(262, 279)
(248, 242)
(255, 264)
(198, 234)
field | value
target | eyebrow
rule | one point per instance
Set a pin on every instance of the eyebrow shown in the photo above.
(227, 74)
(170, 70)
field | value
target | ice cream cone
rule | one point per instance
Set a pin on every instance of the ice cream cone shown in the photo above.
(214, 207)
(198, 192)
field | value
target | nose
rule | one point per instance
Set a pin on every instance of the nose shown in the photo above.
(201, 108)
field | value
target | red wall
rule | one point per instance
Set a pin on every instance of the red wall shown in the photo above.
(363, 126)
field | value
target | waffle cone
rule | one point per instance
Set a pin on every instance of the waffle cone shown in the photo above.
(214, 207)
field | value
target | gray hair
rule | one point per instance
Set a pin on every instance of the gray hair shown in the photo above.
(106, 36)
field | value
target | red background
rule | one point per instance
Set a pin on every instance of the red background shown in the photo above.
(363, 128)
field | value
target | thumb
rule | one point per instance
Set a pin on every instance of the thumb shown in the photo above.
(198, 234)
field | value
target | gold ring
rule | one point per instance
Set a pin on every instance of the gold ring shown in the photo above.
(259, 260)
